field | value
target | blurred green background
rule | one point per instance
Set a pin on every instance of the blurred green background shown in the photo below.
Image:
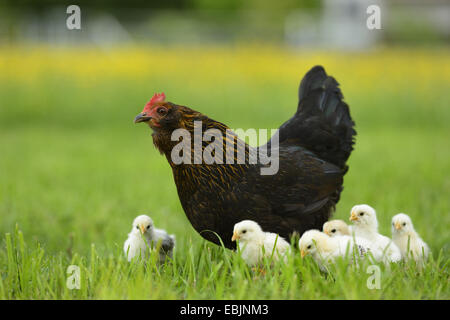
(74, 170)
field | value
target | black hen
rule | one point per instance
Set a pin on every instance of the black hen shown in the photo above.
(314, 146)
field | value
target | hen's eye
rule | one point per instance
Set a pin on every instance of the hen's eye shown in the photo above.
(334, 230)
(161, 111)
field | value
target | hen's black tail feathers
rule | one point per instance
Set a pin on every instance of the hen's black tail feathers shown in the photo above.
(322, 123)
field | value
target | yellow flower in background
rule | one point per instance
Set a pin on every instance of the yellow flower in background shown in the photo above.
(205, 64)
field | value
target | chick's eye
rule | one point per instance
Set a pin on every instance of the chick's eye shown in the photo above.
(308, 247)
(137, 227)
(244, 231)
(361, 214)
(334, 230)
(148, 227)
(404, 224)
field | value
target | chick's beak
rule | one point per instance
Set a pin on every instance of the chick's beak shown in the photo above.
(353, 217)
(303, 253)
(142, 229)
(142, 117)
(397, 226)
(235, 236)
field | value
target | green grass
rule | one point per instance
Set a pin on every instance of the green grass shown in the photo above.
(75, 171)
(205, 271)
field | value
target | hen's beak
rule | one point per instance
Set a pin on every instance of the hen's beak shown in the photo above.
(303, 253)
(142, 117)
(353, 217)
(235, 236)
(397, 226)
(142, 229)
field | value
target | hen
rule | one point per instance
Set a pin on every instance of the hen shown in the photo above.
(313, 147)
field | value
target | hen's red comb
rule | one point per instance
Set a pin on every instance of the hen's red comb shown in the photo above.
(157, 97)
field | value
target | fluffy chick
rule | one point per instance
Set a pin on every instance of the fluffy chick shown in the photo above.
(365, 222)
(255, 244)
(325, 249)
(405, 237)
(144, 237)
(337, 228)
